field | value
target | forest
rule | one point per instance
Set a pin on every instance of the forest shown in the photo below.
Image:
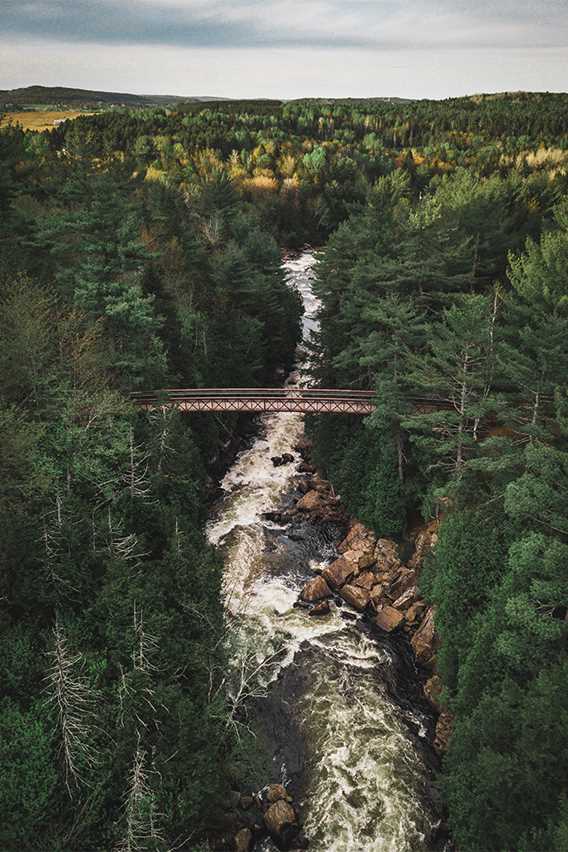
(141, 249)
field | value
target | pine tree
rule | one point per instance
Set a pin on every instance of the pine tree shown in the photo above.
(452, 380)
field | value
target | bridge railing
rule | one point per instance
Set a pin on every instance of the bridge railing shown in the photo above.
(283, 399)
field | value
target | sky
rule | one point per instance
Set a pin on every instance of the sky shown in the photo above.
(287, 48)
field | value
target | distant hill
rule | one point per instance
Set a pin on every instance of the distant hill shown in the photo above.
(32, 96)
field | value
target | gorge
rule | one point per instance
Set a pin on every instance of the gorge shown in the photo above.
(323, 688)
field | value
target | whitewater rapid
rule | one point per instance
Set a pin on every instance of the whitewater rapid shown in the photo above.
(366, 785)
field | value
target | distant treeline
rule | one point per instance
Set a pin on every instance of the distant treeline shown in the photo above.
(309, 164)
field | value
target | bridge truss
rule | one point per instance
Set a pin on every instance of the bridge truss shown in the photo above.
(260, 400)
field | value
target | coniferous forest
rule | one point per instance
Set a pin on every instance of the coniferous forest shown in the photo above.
(141, 249)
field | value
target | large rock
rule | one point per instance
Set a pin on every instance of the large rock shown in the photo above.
(243, 840)
(310, 502)
(361, 559)
(277, 792)
(404, 579)
(286, 458)
(366, 580)
(279, 817)
(425, 642)
(414, 613)
(320, 609)
(386, 555)
(358, 546)
(303, 446)
(357, 597)
(315, 590)
(377, 593)
(388, 618)
(319, 484)
(306, 467)
(338, 572)
(406, 599)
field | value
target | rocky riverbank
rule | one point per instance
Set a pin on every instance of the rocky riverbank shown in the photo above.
(369, 584)
(371, 577)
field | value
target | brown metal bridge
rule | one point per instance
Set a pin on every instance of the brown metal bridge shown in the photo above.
(260, 400)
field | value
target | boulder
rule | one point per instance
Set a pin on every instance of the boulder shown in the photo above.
(377, 593)
(243, 840)
(338, 572)
(405, 579)
(315, 590)
(358, 546)
(279, 817)
(277, 461)
(365, 581)
(348, 616)
(277, 792)
(306, 467)
(386, 554)
(355, 596)
(388, 618)
(414, 613)
(310, 502)
(303, 446)
(280, 518)
(321, 608)
(356, 535)
(424, 642)
(406, 599)
(361, 559)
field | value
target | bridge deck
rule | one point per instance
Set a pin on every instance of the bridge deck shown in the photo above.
(292, 399)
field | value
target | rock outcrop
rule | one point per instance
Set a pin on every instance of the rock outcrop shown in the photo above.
(388, 618)
(357, 597)
(315, 590)
(310, 502)
(338, 573)
(276, 793)
(320, 609)
(281, 823)
(425, 641)
(371, 578)
(285, 458)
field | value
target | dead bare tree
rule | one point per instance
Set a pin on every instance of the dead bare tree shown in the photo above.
(73, 700)
(136, 476)
(140, 691)
(247, 679)
(142, 830)
(124, 547)
(162, 419)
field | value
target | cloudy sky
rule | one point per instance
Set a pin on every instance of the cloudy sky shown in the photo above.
(287, 48)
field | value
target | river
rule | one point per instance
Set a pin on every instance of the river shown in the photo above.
(323, 692)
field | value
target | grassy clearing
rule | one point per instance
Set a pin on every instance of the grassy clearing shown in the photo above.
(41, 119)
